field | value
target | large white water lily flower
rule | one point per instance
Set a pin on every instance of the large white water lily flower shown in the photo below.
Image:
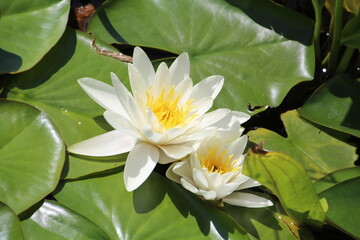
(160, 120)
(214, 171)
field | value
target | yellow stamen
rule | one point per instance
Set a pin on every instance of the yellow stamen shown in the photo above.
(167, 109)
(219, 163)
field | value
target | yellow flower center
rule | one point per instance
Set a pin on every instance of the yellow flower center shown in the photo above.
(167, 109)
(219, 163)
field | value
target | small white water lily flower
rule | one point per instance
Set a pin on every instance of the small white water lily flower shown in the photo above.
(160, 120)
(214, 171)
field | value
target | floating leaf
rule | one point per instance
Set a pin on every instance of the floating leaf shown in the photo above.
(262, 223)
(29, 30)
(56, 222)
(31, 155)
(288, 180)
(344, 204)
(159, 209)
(10, 228)
(336, 177)
(52, 87)
(317, 151)
(260, 63)
(335, 105)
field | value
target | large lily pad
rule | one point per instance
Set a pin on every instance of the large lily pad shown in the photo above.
(288, 180)
(28, 30)
(159, 209)
(259, 64)
(336, 177)
(318, 152)
(31, 155)
(344, 206)
(263, 223)
(10, 228)
(335, 105)
(52, 87)
(56, 222)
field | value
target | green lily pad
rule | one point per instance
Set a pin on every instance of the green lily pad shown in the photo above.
(159, 209)
(336, 177)
(317, 151)
(56, 222)
(29, 30)
(287, 179)
(350, 36)
(10, 227)
(52, 87)
(335, 105)
(261, 223)
(31, 155)
(259, 64)
(344, 206)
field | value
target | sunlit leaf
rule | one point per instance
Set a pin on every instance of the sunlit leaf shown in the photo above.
(28, 30)
(344, 206)
(56, 222)
(10, 228)
(316, 150)
(32, 155)
(159, 209)
(288, 180)
(260, 55)
(336, 177)
(262, 223)
(52, 87)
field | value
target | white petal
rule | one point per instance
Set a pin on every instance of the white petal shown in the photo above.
(107, 144)
(200, 179)
(153, 121)
(247, 200)
(232, 118)
(137, 83)
(189, 186)
(203, 105)
(165, 159)
(180, 69)
(208, 195)
(226, 189)
(173, 133)
(127, 101)
(237, 146)
(103, 94)
(170, 174)
(248, 184)
(122, 124)
(142, 62)
(183, 169)
(176, 151)
(208, 87)
(195, 161)
(139, 164)
(213, 117)
(214, 179)
(150, 135)
(162, 78)
(184, 88)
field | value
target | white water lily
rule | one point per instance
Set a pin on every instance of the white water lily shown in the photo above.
(160, 120)
(214, 171)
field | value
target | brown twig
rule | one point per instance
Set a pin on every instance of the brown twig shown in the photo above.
(117, 55)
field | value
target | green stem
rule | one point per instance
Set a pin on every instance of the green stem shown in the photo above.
(337, 21)
(345, 59)
(318, 23)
